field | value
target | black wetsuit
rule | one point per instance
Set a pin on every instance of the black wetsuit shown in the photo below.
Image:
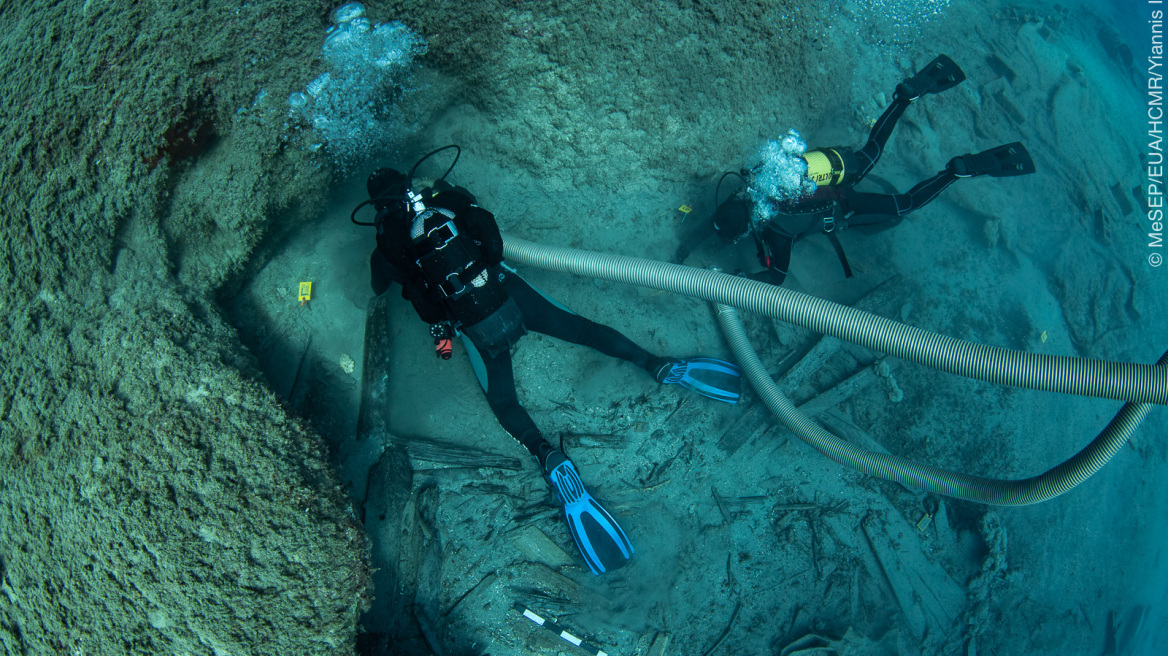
(828, 209)
(395, 260)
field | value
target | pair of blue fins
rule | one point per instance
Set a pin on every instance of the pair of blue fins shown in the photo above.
(602, 543)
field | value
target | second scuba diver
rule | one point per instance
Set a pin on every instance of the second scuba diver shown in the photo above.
(795, 193)
(447, 253)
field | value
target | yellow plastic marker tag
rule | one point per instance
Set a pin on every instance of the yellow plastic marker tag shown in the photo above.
(924, 522)
(305, 292)
(685, 209)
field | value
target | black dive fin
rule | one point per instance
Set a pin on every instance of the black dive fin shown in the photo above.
(940, 75)
(1001, 162)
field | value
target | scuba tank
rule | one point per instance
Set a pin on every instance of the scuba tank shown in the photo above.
(825, 166)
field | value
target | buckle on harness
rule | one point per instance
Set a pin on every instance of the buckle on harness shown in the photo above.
(828, 223)
(452, 285)
(440, 236)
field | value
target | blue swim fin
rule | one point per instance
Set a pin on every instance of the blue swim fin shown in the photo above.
(601, 541)
(710, 377)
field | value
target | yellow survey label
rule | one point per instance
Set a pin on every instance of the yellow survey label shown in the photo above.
(305, 291)
(685, 209)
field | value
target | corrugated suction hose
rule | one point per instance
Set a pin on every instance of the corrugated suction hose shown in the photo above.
(1138, 384)
(1045, 486)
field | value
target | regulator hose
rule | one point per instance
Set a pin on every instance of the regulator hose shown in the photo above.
(1139, 385)
(1121, 381)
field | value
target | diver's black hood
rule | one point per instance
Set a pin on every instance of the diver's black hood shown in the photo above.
(385, 184)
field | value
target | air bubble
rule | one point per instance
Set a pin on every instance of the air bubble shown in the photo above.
(342, 105)
(348, 12)
(781, 175)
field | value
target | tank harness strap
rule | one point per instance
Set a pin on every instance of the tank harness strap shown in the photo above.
(456, 282)
(833, 237)
(778, 258)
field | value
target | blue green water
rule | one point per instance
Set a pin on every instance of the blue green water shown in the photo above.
(178, 446)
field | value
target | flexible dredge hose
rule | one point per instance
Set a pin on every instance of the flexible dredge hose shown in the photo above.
(1139, 385)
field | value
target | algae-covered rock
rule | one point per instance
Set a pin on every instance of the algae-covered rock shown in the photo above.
(598, 91)
(157, 498)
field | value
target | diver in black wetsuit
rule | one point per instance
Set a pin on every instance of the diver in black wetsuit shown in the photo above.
(777, 223)
(447, 253)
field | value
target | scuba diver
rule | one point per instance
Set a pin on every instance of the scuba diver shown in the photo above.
(447, 253)
(794, 193)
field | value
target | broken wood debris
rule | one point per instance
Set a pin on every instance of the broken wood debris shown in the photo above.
(795, 576)
(725, 632)
(841, 392)
(837, 423)
(655, 486)
(546, 598)
(876, 301)
(927, 596)
(680, 402)
(784, 507)
(531, 514)
(603, 440)
(721, 508)
(660, 644)
(546, 585)
(795, 506)
(754, 423)
(725, 504)
(814, 547)
(782, 524)
(814, 361)
(537, 547)
(731, 582)
(660, 468)
(484, 583)
(431, 449)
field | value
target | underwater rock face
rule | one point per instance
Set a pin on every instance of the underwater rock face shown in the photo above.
(602, 92)
(157, 498)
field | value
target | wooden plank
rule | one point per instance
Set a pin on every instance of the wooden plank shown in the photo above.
(929, 598)
(829, 399)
